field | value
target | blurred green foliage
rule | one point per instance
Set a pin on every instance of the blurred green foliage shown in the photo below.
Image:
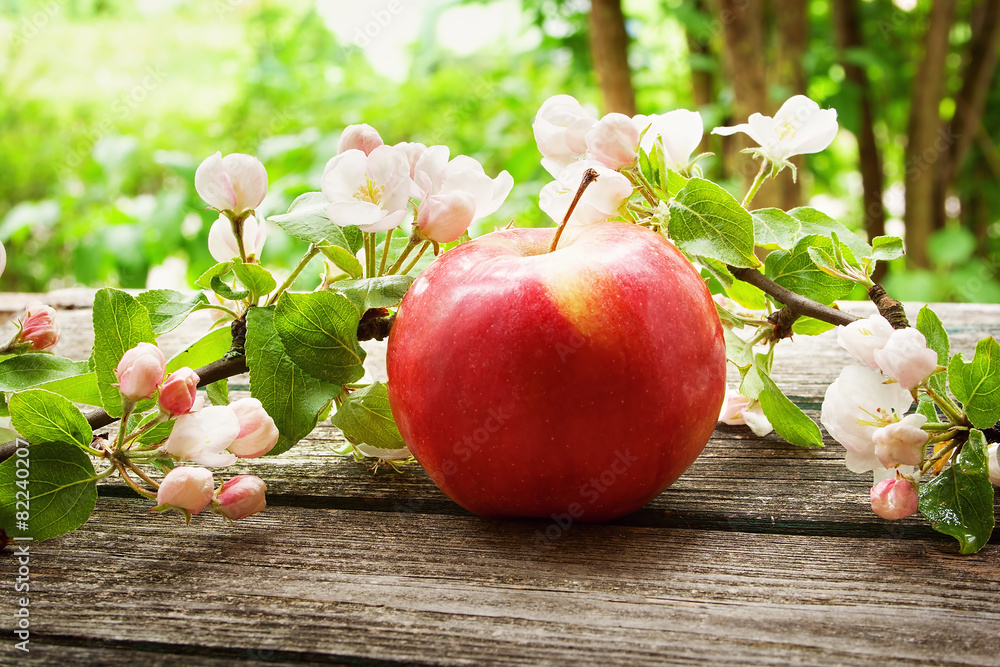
(108, 106)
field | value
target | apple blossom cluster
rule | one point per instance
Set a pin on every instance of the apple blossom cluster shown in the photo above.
(572, 140)
(866, 410)
(370, 184)
(210, 437)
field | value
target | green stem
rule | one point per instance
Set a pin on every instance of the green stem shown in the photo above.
(947, 406)
(306, 258)
(929, 463)
(639, 181)
(237, 226)
(134, 468)
(127, 408)
(385, 250)
(414, 242)
(107, 471)
(160, 418)
(131, 482)
(757, 182)
(416, 259)
(227, 311)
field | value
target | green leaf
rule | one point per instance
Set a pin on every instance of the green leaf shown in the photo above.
(365, 417)
(41, 416)
(797, 271)
(887, 248)
(717, 270)
(217, 271)
(158, 433)
(306, 219)
(929, 324)
(30, 370)
(319, 331)
(210, 347)
(77, 388)
(810, 326)
(168, 308)
(218, 392)
(705, 220)
(738, 350)
(382, 292)
(747, 295)
(926, 407)
(775, 229)
(959, 501)
(62, 491)
(787, 418)
(977, 383)
(120, 323)
(255, 278)
(292, 398)
(818, 223)
(343, 259)
(220, 287)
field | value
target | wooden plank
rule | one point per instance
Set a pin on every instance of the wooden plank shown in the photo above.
(415, 588)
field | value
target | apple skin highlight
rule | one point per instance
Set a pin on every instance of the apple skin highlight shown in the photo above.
(583, 381)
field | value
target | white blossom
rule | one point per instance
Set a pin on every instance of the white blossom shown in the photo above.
(222, 241)
(369, 191)
(560, 129)
(679, 131)
(858, 403)
(901, 443)
(599, 202)
(906, 358)
(799, 127)
(236, 183)
(862, 337)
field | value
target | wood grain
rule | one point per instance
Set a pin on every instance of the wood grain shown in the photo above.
(762, 553)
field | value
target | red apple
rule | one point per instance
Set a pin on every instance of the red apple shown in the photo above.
(580, 382)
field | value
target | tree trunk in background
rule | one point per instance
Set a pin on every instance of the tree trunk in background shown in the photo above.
(848, 31)
(743, 32)
(970, 103)
(702, 79)
(792, 40)
(609, 47)
(927, 139)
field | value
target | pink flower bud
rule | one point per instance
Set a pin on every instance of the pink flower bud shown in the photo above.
(235, 183)
(360, 137)
(240, 497)
(894, 498)
(445, 217)
(901, 443)
(560, 130)
(187, 488)
(258, 434)
(613, 141)
(140, 371)
(906, 358)
(178, 391)
(39, 327)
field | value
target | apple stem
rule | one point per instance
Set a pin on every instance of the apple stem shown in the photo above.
(589, 177)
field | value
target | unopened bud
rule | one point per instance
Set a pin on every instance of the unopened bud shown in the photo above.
(240, 497)
(178, 391)
(140, 371)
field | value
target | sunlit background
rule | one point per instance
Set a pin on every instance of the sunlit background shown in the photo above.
(107, 107)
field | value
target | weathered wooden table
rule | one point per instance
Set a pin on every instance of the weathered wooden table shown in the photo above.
(761, 553)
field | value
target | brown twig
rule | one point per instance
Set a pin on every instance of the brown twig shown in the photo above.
(889, 308)
(796, 303)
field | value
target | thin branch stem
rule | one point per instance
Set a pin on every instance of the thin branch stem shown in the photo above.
(420, 253)
(306, 258)
(131, 482)
(794, 302)
(757, 182)
(134, 468)
(414, 242)
(385, 250)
